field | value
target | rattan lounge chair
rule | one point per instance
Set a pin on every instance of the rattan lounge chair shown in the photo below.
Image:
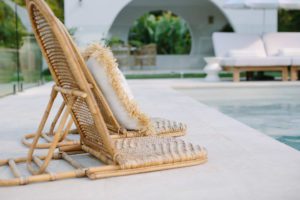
(163, 127)
(122, 156)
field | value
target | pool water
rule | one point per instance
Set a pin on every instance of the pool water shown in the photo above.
(274, 111)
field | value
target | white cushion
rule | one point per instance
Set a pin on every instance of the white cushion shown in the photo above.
(255, 61)
(225, 42)
(110, 79)
(289, 52)
(276, 41)
(243, 53)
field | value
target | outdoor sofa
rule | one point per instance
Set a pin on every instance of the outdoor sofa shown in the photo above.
(285, 45)
(239, 52)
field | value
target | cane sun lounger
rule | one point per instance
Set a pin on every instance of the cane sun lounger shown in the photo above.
(162, 127)
(122, 156)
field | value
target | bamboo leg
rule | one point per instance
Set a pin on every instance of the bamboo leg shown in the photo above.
(14, 169)
(39, 163)
(236, 75)
(58, 114)
(43, 177)
(46, 137)
(24, 159)
(22, 180)
(285, 74)
(53, 145)
(67, 129)
(294, 73)
(115, 170)
(71, 161)
(42, 124)
(26, 142)
(92, 172)
(70, 148)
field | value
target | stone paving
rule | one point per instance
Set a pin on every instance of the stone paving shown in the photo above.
(243, 163)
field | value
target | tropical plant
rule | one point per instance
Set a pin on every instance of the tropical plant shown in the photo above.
(226, 28)
(288, 21)
(56, 5)
(8, 27)
(113, 41)
(169, 32)
(8, 22)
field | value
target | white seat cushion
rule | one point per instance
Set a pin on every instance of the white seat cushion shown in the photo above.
(225, 42)
(289, 52)
(243, 53)
(255, 61)
(274, 42)
(110, 79)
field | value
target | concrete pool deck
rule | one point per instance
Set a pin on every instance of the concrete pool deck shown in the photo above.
(243, 163)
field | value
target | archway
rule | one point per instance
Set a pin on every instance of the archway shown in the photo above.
(203, 17)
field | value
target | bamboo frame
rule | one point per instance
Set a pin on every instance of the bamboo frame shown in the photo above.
(80, 170)
(64, 141)
(43, 175)
(94, 135)
(113, 125)
(237, 70)
(294, 72)
(23, 180)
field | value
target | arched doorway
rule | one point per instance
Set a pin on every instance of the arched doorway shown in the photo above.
(202, 16)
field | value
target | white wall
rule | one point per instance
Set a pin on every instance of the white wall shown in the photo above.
(92, 18)
(195, 16)
(98, 19)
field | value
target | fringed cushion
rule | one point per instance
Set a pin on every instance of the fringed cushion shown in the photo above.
(110, 79)
(154, 150)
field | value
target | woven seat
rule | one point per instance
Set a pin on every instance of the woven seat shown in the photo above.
(148, 151)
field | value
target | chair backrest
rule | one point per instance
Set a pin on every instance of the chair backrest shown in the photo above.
(64, 63)
(274, 42)
(225, 42)
(109, 118)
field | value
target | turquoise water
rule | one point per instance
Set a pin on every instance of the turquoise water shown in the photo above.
(274, 111)
(277, 118)
(293, 141)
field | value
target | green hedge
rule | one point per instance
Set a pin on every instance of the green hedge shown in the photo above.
(8, 27)
(169, 32)
(289, 21)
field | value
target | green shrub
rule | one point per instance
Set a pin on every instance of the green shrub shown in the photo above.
(8, 27)
(169, 32)
(56, 5)
(288, 20)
